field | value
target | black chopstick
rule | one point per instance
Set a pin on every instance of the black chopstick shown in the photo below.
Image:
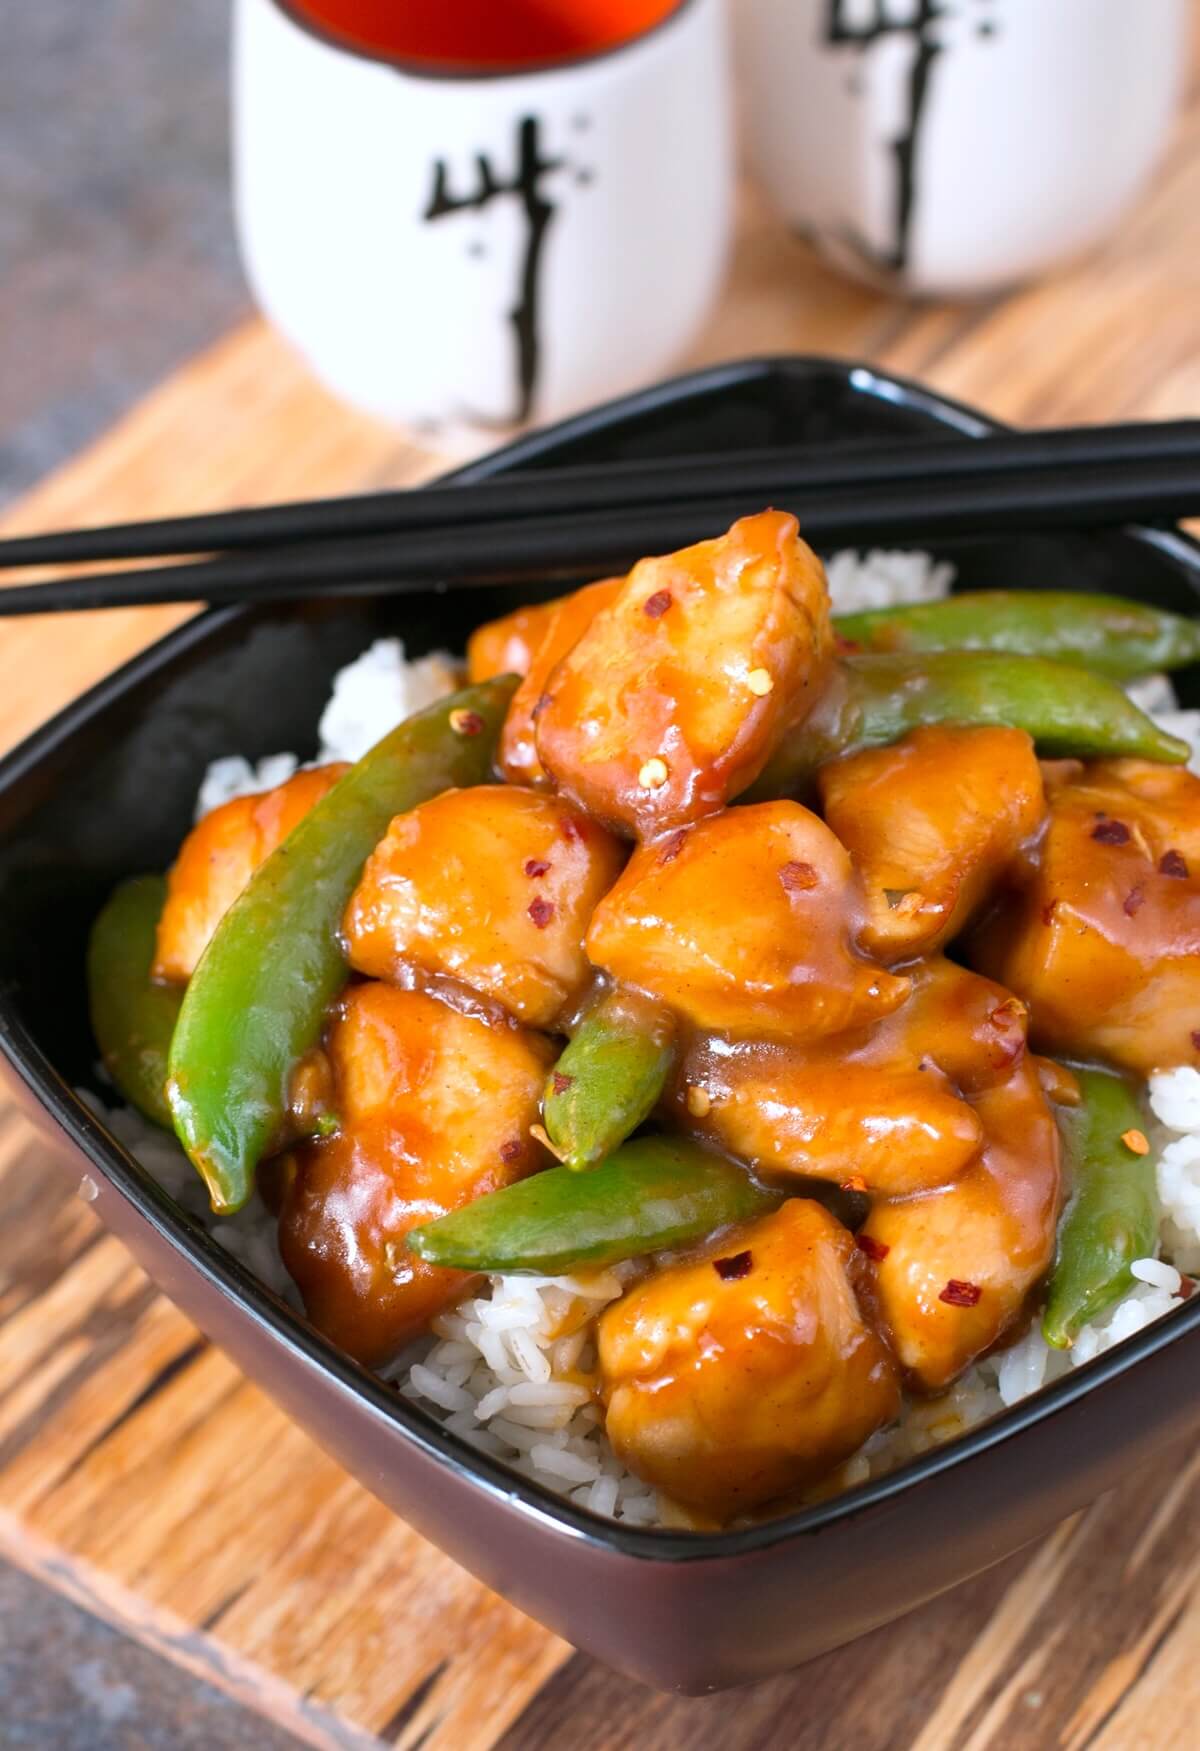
(754, 476)
(562, 546)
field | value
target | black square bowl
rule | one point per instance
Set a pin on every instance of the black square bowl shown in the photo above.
(105, 790)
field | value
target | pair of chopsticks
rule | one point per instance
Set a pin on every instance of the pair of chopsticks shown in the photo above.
(582, 521)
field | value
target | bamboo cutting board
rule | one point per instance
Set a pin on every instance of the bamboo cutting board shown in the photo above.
(142, 1475)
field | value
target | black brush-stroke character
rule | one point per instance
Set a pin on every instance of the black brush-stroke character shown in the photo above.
(527, 185)
(920, 27)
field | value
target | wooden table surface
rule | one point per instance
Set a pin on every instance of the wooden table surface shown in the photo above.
(143, 1476)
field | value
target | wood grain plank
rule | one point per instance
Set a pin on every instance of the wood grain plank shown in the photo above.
(218, 1665)
(143, 1475)
(134, 1442)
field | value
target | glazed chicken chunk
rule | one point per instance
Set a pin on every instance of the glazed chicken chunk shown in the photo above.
(884, 1110)
(955, 1266)
(506, 646)
(932, 823)
(434, 1109)
(493, 887)
(746, 923)
(219, 856)
(560, 626)
(749, 1371)
(1100, 929)
(676, 693)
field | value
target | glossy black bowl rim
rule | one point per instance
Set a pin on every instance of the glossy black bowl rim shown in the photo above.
(223, 1272)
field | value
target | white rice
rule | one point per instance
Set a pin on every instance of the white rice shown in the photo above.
(510, 1371)
(884, 579)
(512, 1374)
(378, 691)
(370, 697)
(1156, 695)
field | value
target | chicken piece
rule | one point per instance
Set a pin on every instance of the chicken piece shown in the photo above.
(955, 1267)
(746, 924)
(1100, 931)
(885, 1110)
(874, 1126)
(435, 1109)
(876, 1129)
(748, 1372)
(674, 698)
(937, 1109)
(569, 620)
(492, 886)
(506, 646)
(219, 856)
(931, 824)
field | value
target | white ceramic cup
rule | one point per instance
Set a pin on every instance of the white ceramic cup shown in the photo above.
(479, 251)
(953, 147)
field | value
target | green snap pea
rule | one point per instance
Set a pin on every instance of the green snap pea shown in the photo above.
(1106, 634)
(258, 998)
(875, 700)
(1113, 1216)
(654, 1192)
(608, 1079)
(133, 1017)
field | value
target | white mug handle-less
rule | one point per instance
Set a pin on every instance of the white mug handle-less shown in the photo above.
(479, 251)
(952, 147)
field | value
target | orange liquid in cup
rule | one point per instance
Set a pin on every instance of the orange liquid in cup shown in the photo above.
(488, 35)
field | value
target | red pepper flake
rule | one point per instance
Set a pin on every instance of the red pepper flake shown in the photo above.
(1048, 911)
(573, 829)
(730, 1269)
(466, 723)
(656, 605)
(673, 846)
(511, 1150)
(957, 1294)
(561, 1083)
(1173, 863)
(846, 647)
(798, 878)
(535, 866)
(1195, 1038)
(1111, 833)
(1133, 900)
(541, 911)
(874, 1249)
(1187, 1288)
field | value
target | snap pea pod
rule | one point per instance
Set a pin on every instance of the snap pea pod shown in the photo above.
(133, 1017)
(653, 1192)
(874, 700)
(1113, 1215)
(1106, 634)
(257, 1000)
(608, 1079)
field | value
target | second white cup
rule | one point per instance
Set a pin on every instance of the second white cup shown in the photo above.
(952, 147)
